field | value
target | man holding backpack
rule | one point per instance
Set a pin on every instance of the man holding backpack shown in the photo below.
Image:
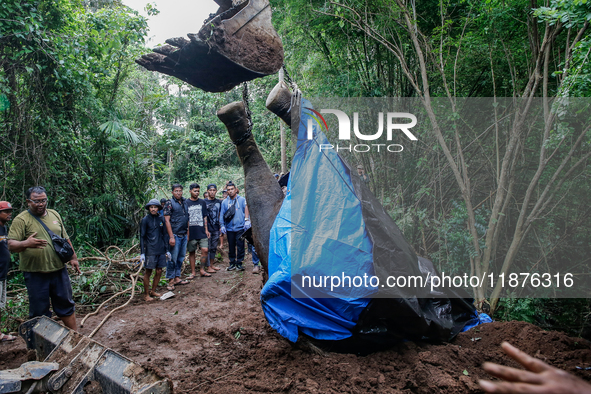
(235, 220)
(46, 276)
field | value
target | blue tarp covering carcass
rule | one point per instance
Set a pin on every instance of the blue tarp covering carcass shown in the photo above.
(330, 234)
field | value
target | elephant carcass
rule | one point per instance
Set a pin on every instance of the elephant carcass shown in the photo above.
(238, 44)
(358, 322)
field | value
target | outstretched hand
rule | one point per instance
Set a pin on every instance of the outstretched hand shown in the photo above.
(35, 243)
(540, 378)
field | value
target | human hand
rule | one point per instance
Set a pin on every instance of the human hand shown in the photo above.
(208, 234)
(223, 230)
(171, 241)
(35, 243)
(76, 266)
(247, 224)
(539, 378)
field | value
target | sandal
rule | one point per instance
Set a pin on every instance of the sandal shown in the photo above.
(7, 338)
(191, 277)
(170, 287)
(206, 275)
(182, 282)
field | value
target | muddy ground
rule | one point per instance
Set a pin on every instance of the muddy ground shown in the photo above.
(213, 338)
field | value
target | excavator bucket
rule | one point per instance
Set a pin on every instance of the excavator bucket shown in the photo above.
(238, 44)
(74, 363)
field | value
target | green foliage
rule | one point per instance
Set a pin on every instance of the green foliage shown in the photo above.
(568, 315)
(572, 14)
(64, 68)
(456, 244)
(17, 303)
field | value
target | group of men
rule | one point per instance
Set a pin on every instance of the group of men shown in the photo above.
(179, 225)
(46, 276)
(170, 229)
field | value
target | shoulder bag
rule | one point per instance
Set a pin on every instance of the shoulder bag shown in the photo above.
(62, 247)
(229, 214)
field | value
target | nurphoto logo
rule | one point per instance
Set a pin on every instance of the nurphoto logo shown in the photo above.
(393, 124)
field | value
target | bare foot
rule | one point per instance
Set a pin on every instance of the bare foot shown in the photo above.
(215, 268)
(211, 271)
(154, 294)
(147, 298)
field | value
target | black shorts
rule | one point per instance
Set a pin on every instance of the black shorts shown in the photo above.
(45, 286)
(156, 261)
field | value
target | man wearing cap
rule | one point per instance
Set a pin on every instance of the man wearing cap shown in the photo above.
(46, 276)
(5, 216)
(234, 226)
(153, 247)
(213, 222)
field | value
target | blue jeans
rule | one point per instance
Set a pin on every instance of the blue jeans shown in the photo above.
(174, 266)
(255, 258)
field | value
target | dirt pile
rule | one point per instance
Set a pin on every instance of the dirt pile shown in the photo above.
(212, 337)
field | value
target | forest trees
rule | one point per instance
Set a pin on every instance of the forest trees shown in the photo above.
(61, 76)
(78, 116)
(505, 184)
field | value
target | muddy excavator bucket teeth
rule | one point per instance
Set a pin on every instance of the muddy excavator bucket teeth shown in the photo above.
(83, 364)
(238, 44)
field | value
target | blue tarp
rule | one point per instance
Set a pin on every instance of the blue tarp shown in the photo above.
(314, 236)
(482, 318)
(325, 227)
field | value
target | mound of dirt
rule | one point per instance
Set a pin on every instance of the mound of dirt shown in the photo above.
(212, 337)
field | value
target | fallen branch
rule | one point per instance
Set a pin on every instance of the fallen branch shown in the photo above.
(106, 257)
(133, 282)
(101, 305)
(95, 258)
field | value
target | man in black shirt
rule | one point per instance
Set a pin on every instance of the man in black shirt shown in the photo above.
(198, 231)
(154, 247)
(222, 236)
(213, 222)
(5, 216)
(176, 218)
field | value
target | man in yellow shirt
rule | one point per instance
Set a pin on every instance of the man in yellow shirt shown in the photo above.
(46, 276)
